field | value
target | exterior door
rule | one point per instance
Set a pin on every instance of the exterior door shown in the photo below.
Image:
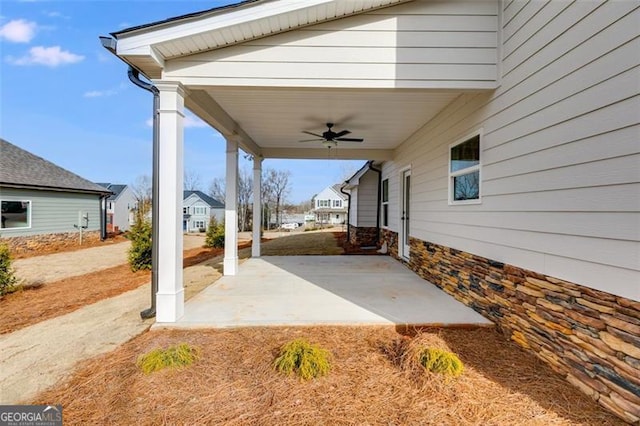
(405, 213)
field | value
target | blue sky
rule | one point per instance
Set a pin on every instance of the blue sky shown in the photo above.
(65, 98)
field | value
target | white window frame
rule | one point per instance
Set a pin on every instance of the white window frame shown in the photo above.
(384, 203)
(337, 203)
(467, 170)
(29, 213)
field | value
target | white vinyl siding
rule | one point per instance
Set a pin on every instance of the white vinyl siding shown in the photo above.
(368, 199)
(417, 45)
(560, 152)
(53, 211)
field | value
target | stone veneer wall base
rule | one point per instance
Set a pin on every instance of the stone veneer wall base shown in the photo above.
(590, 337)
(50, 242)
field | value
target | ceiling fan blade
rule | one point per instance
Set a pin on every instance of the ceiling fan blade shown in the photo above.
(311, 140)
(349, 139)
(312, 134)
(342, 133)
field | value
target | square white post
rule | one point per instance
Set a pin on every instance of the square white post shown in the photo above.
(170, 296)
(231, 210)
(257, 206)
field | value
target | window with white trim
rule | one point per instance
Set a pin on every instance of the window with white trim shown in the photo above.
(464, 171)
(15, 214)
(385, 202)
(337, 203)
(324, 203)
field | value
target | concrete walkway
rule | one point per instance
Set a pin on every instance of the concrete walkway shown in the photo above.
(311, 290)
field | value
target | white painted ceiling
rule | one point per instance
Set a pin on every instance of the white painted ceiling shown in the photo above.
(276, 117)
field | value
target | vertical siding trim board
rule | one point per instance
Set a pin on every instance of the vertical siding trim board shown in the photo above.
(590, 337)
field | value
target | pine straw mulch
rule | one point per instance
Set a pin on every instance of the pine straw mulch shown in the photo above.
(234, 383)
(35, 304)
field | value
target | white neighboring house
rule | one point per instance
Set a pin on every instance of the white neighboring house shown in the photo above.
(120, 207)
(197, 210)
(331, 206)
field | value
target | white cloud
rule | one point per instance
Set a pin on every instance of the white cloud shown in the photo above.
(49, 56)
(54, 14)
(18, 31)
(190, 121)
(99, 93)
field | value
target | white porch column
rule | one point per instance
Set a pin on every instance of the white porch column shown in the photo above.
(170, 296)
(257, 206)
(231, 210)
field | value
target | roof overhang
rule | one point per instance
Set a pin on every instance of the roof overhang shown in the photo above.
(148, 46)
(236, 77)
(56, 189)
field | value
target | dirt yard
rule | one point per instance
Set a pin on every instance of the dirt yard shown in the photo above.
(234, 383)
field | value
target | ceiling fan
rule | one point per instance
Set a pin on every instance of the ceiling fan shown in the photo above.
(330, 138)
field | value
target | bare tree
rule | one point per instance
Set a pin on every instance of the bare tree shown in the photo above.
(217, 189)
(278, 182)
(192, 181)
(245, 191)
(142, 191)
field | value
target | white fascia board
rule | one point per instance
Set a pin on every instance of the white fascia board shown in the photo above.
(175, 30)
(323, 153)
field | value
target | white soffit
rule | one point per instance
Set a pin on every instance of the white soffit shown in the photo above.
(227, 27)
(276, 117)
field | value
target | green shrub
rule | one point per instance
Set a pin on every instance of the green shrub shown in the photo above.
(215, 234)
(180, 355)
(441, 361)
(140, 250)
(8, 280)
(306, 360)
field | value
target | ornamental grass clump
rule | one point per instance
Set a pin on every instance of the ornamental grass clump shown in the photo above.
(441, 361)
(304, 359)
(180, 355)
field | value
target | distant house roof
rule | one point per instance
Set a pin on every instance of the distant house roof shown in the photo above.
(336, 188)
(209, 200)
(115, 188)
(22, 169)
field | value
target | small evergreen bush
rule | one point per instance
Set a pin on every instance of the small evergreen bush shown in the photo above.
(8, 280)
(306, 360)
(140, 250)
(215, 234)
(441, 361)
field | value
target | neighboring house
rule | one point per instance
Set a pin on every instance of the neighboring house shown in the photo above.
(197, 210)
(507, 133)
(365, 213)
(44, 202)
(120, 206)
(330, 206)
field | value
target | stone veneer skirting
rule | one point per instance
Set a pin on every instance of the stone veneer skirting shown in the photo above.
(590, 337)
(392, 241)
(48, 242)
(363, 235)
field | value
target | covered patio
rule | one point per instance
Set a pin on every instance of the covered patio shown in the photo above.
(265, 74)
(327, 290)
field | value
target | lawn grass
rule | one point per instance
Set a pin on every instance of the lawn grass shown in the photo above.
(234, 383)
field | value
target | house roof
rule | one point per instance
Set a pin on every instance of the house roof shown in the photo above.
(336, 188)
(115, 188)
(22, 169)
(207, 199)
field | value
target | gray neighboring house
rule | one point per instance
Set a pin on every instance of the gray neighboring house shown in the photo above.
(197, 209)
(38, 197)
(119, 207)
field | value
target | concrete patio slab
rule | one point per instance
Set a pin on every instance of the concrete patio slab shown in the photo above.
(324, 290)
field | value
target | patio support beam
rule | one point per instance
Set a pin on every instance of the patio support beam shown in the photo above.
(257, 206)
(231, 210)
(340, 153)
(170, 295)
